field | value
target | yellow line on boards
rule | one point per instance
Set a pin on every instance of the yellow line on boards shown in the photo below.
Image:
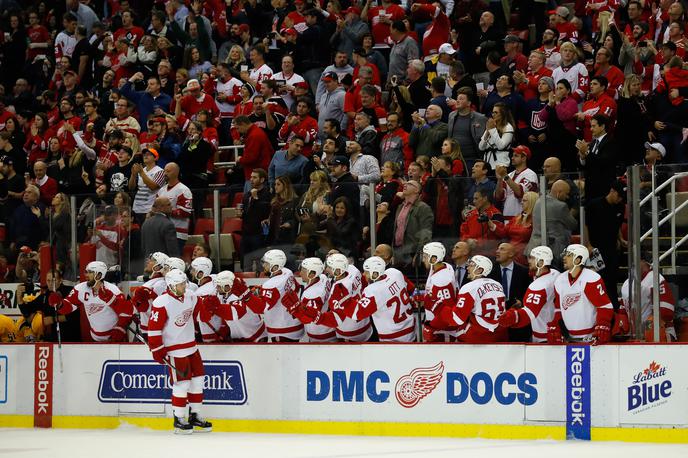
(518, 432)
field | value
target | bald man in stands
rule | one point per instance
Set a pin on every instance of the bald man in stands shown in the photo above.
(158, 232)
(560, 220)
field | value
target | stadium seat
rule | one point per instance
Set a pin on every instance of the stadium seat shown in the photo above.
(682, 215)
(187, 252)
(236, 238)
(238, 197)
(231, 225)
(245, 274)
(204, 227)
(228, 212)
(226, 248)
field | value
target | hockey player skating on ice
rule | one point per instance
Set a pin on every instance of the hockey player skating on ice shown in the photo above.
(538, 301)
(104, 305)
(581, 301)
(171, 340)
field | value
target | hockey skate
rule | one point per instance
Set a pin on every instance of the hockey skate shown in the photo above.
(181, 426)
(200, 424)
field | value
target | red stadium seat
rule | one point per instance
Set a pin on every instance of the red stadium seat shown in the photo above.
(236, 238)
(204, 227)
(187, 253)
(238, 197)
(245, 274)
(231, 225)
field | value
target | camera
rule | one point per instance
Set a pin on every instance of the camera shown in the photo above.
(483, 218)
(642, 44)
(303, 211)
(272, 35)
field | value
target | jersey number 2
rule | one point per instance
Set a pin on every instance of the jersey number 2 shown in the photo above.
(397, 302)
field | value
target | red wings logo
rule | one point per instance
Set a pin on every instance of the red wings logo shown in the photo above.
(183, 318)
(570, 300)
(92, 309)
(411, 388)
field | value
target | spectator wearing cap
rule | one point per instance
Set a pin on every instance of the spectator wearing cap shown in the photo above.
(404, 50)
(428, 132)
(67, 116)
(343, 183)
(146, 179)
(603, 218)
(412, 225)
(302, 125)
(288, 163)
(340, 66)
(331, 104)
(654, 155)
(513, 185)
(257, 148)
(536, 128)
(350, 30)
(194, 101)
(365, 169)
(117, 177)
(13, 153)
(151, 101)
(598, 158)
(46, 185)
(514, 60)
(440, 64)
(69, 85)
(567, 29)
(12, 185)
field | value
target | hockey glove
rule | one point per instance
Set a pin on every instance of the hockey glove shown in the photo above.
(117, 334)
(55, 300)
(140, 298)
(209, 307)
(161, 356)
(508, 318)
(239, 288)
(290, 300)
(554, 333)
(602, 333)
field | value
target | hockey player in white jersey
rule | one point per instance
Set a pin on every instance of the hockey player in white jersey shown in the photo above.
(538, 301)
(214, 329)
(581, 301)
(440, 292)
(479, 305)
(144, 295)
(666, 300)
(103, 304)
(171, 338)
(346, 285)
(312, 300)
(281, 325)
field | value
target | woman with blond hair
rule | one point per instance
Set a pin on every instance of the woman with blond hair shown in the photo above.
(235, 59)
(633, 120)
(313, 203)
(519, 229)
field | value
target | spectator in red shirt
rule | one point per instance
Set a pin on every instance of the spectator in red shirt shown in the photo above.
(603, 67)
(598, 103)
(257, 148)
(438, 30)
(128, 30)
(301, 125)
(194, 101)
(477, 225)
(46, 185)
(514, 59)
(527, 83)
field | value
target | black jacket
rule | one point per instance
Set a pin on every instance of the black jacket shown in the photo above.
(346, 186)
(600, 168)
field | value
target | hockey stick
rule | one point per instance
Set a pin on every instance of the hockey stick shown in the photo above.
(52, 274)
(166, 361)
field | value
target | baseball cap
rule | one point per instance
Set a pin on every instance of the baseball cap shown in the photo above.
(340, 160)
(447, 48)
(301, 84)
(152, 151)
(291, 31)
(360, 51)
(523, 149)
(656, 146)
(330, 76)
(511, 39)
(352, 9)
(244, 28)
(193, 84)
(562, 11)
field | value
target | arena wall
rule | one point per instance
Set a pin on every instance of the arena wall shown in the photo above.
(613, 392)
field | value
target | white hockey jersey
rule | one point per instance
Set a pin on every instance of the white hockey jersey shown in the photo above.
(579, 301)
(314, 296)
(480, 302)
(388, 303)
(171, 324)
(666, 297)
(343, 290)
(279, 322)
(210, 331)
(245, 324)
(157, 286)
(440, 288)
(527, 180)
(106, 310)
(538, 304)
(577, 76)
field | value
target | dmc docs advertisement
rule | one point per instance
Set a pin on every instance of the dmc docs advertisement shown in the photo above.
(653, 385)
(443, 384)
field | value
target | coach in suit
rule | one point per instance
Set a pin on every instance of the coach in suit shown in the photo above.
(515, 280)
(560, 223)
(461, 253)
(158, 232)
(598, 158)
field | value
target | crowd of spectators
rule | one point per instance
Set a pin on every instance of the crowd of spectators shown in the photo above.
(436, 117)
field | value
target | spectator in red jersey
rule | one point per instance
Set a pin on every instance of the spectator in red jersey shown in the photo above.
(527, 83)
(381, 17)
(603, 67)
(67, 141)
(519, 229)
(257, 148)
(599, 102)
(438, 30)
(194, 101)
(301, 125)
(514, 59)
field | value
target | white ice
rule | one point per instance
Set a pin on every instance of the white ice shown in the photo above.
(130, 441)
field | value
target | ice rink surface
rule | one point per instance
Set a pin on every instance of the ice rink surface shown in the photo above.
(138, 442)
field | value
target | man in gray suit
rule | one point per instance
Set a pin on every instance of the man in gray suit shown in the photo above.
(412, 225)
(466, 126)
(560, 223)
(158, 232)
